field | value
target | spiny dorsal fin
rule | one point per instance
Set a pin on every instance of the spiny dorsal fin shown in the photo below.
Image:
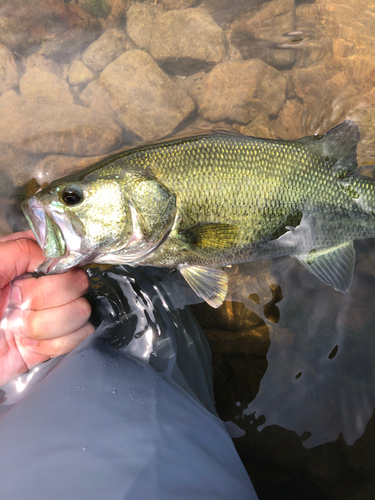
(209, 284)
(334, 266)
(210, 237)
(338, 145)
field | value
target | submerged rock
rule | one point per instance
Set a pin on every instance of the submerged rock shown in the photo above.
(53, 26)
(117, 15)
(44, 86)
(178, 48)
(307, 84)
(60, 128)
(139, 24)
(12, 166)
(40, 62)
(8, 70)
(288, 124)
(96, 97)
(241, 90)
(261, 127)
(144, 98)
(269, 15)
(178, 4)
(262, 33)
(79, 74)
(110, 45)
(224, 11)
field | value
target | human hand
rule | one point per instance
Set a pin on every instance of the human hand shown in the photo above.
(49, 316)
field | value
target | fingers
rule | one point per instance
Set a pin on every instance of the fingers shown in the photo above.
(55, 347)
(50, 323)
(49, 291)
(16, 236)
(17, 257)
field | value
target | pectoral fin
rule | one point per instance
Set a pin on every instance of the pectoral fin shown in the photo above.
(208, 238)
(334, 266)
(209, 284)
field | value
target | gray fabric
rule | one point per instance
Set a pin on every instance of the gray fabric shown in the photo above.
(105, 423)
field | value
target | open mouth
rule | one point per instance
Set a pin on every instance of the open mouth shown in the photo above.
(47, 232)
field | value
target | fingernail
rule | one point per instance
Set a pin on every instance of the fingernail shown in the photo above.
(16, 296)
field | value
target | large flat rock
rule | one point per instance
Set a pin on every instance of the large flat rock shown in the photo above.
(58, 127)
(186, 40)
(240, 91)
(144, 98)
(110, 45)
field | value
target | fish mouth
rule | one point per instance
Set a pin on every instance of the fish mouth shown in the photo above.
(46, 231)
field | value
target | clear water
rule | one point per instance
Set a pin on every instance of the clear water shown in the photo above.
(293, 359)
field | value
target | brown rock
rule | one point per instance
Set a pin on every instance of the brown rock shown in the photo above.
(38, 61)
(105, 49)
(54, 25)
(192, 84)
(317, 87)
(288, 125)
(240, 91)
(79, 74)
(8, 70)
(364, 116)
(60, 128)
(96, 97)
(359, 67)
(262, 34)
(272, 54)
(335, 17)
(316, 52)
(145, 100)
(117, 15)
(340, 47)
(269, 15)
(177, 47)
(16, 168)
(139, 24)
(260, 127)
(201, 126)
(44, 86)
(178, 4)
(224, 11)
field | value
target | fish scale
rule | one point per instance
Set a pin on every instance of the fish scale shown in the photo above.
(201, 203)
(252, 183)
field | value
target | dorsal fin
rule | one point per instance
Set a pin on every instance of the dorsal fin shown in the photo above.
(338, 145)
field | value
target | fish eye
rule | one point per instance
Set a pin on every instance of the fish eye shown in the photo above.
(71, 195)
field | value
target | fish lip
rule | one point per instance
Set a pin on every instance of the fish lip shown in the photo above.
(36, 217)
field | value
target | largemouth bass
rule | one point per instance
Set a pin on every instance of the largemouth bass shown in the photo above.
(203, 203)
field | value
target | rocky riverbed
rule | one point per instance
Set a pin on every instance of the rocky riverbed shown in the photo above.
(83, 78)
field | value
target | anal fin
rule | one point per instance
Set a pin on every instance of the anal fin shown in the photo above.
(209, 284)
(334, 266)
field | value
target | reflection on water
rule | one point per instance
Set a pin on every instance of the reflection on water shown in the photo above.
(79, 79)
